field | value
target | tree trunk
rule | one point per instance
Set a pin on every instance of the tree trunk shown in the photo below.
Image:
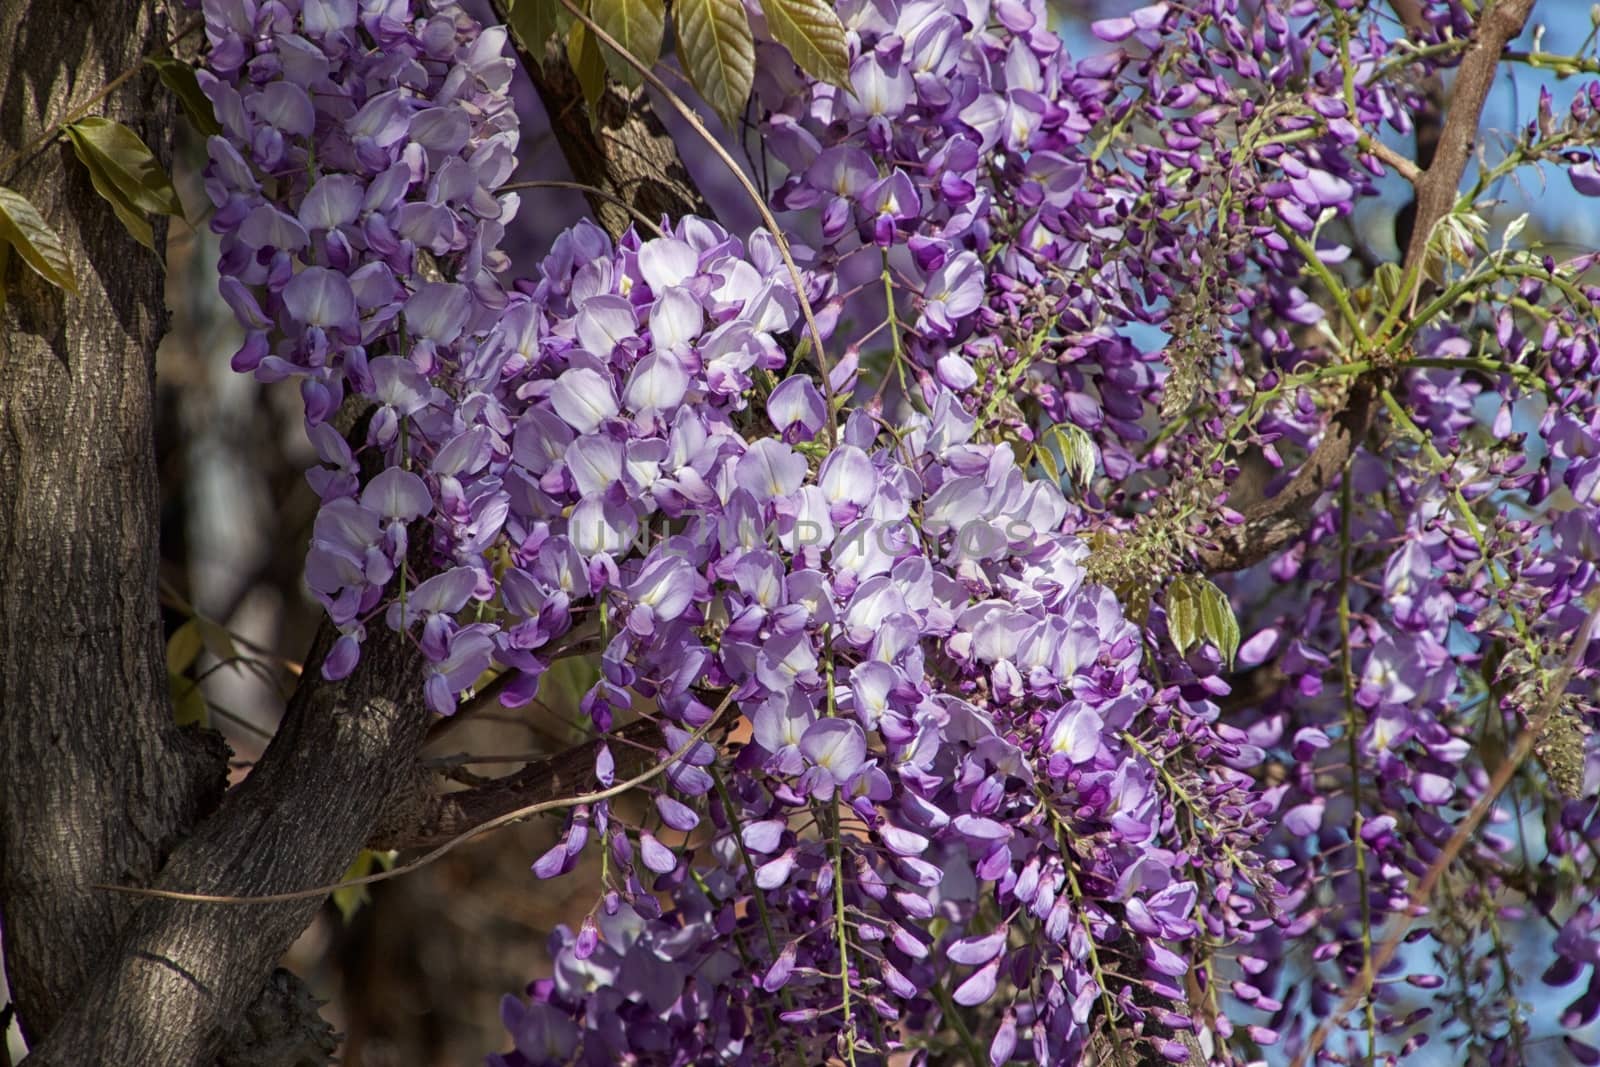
(95, 780)
(97, 786)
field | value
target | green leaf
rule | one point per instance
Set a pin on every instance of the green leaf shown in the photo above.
(23, 228)
(1183, 613)
(1065, 449)
(1387, 280)
(350, 899)
(534, 22)
(715, 44)
(583, 52)
(814, 36)
(188, 702)
(179, 77)
(125, 174)
(1198, 611)
(638, 26)
(218, 641)
(1217, 623)
(1046, 457)
(127, 162)
(135, 223)
(184, 646)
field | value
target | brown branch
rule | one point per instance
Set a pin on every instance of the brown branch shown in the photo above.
(427, 818)
(1441, 181)
(1417, 903)
(653, 769)
(96, 780)
(182, 977)
(1272, 523)
(1275, 522)
(621, 152)
(1426, 122)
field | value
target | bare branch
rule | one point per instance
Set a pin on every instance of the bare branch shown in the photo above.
(431, 818)
(1275, 522)
(554, 803)
(1417, 904)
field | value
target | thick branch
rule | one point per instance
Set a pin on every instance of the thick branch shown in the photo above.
(1275, 522)
(426, 819)
(185, 974)
(1271, 524)
(1501, 23)
(1427, 121)
(621, 148)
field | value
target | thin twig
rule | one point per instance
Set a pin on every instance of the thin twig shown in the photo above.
(595, 190)
(1417, 904)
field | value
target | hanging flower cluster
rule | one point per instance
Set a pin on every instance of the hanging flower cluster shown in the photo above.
(1005, 784)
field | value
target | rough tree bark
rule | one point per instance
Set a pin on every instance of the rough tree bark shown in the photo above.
(96, 784)
(95, 780)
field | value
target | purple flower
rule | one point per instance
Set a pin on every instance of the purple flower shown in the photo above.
(837, 748)
(323, 298)
(950, 294)
(583, 399)
(797, 409)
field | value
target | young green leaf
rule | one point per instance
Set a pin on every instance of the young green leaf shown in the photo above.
(814, 36)
(132, 220)
(1046, 458)
(23, 228)
(184, 646)
(639, 26)
(1065, 449)
(1183, 613)
(125, 174)
(1198, 611)
(1217, 623)
(218, 641)
(128, 163)
(717, 47)
(179, 77)
(188, 702)
(583, 52)
(534, 22)
(349, 899)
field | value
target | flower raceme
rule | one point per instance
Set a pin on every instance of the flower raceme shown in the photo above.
(996, 803)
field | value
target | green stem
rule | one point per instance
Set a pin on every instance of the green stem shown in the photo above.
(952, 1015)
(759, 895)
(842, 934)
(1335, 288)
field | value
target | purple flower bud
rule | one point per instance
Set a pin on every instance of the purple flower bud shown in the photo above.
(656, 856)
(972, 951)
(979, 987)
